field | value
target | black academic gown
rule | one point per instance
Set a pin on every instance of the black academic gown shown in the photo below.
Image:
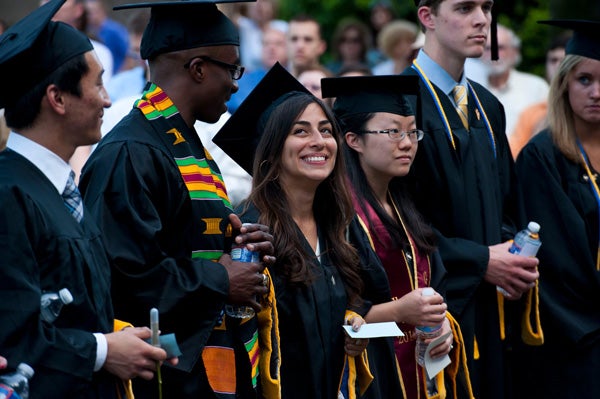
(559, 197)
(43, 248)
(381, 353)
(470, 197)
(133, 188)
(310, 328)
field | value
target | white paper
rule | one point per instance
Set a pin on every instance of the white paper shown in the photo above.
(375, 330)
(434, 366)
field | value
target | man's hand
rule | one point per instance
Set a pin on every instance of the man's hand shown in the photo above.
(129, 356)
(255, 236)
(246, 282)
(514, 273)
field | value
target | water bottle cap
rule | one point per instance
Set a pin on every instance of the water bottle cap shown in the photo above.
(65, 296)
(533, 227)
(26, 370)
(428, 291)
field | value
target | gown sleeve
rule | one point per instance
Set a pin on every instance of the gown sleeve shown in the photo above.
(140, 205)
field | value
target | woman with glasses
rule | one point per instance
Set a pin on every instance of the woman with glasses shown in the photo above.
(381, 140)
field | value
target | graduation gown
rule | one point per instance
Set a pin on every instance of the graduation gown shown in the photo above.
(470, 197)
(310, 327)
(559, 197)
(43, 248)
(163, 244)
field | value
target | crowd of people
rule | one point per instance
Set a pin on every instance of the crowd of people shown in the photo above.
(406, 164)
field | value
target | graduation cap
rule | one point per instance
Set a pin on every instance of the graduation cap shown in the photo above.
(184, 24)
(35, 47)
(493, 33)
(368, 94)
(239, 136)
(585, 40)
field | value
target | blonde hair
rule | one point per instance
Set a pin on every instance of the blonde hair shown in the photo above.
(560, 113)
(394, 32)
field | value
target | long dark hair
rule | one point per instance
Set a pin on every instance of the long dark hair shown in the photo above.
(332, 206)
(420, 232)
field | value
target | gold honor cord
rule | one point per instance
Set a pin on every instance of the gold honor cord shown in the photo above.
(442, 113)
(596, 192)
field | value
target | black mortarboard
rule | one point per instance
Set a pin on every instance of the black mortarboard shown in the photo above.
(585, 40)
(35, 47)
(367, 94)
(493, 33)
(184, 24)
(239, 136)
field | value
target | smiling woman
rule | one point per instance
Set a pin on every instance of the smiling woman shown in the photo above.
(299, 188)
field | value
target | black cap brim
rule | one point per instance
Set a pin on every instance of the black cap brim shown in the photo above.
(369, 94)
(585, 40)
(183, 25)
(176, 2)
(239, 136)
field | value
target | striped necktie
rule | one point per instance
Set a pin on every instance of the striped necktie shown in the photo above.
(460, 97)
(72, 198)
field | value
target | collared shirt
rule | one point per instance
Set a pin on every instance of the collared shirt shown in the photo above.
(438, 75)
(57, 171)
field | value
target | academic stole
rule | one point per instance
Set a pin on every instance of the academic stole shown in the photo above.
(205, 184)
(442, 113)
(595, 190)
(410, 261)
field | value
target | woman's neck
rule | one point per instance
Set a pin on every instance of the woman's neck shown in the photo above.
(589, 137)
(301, 209)
(380, 187)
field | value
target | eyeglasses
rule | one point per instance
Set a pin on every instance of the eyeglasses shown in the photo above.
(236, 71)
(396, 135)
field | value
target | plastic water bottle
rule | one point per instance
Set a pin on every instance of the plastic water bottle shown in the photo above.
(241, 254)
(16, 385)
(425, 332)
(52, 303)
(526, 243)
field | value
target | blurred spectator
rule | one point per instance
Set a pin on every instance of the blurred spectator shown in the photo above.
(73, 13)
(516, 90)
(311, 79)
(133, 76)
(534, 118)
(395, 41)
(350, 44)
(381, 14)
(274, 49)
(112, 33)
(355, 70)
(3, 26)
(260, 17)
(305, 43)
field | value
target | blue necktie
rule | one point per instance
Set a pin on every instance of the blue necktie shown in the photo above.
(72, 198)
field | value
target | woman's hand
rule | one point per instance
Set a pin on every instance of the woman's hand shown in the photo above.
(355, 346)
(444, 347)
(418, 310)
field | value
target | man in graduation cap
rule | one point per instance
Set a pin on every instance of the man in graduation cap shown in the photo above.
(558, 172)
(161, 202)
(47, 240)
(464, 184)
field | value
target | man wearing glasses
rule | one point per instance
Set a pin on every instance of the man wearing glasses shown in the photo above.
(160, 200)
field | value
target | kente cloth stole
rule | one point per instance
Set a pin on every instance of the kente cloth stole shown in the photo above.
(200, 174)
(207, 191)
